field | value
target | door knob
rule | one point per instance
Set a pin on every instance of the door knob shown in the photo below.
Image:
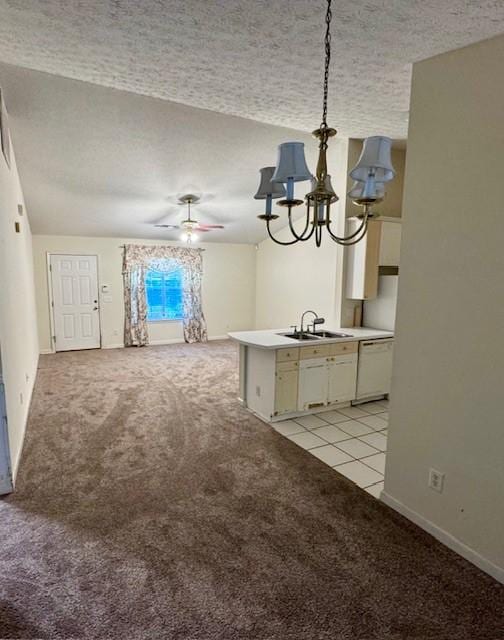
(95, 308)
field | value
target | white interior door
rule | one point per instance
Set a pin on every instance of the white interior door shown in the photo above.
(76, 313)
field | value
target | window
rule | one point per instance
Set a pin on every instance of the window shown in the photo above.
(164, 295)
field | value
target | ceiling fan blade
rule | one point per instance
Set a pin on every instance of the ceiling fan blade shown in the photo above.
(201, 229)
(167, 226)
(212, 226)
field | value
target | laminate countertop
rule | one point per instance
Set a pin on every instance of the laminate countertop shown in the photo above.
(274, 338)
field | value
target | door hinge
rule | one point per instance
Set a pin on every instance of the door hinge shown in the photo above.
(54, 338)
(52, 304)
(50, 267)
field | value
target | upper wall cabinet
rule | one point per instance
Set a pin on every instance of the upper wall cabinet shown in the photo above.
(380, 247)
(390, 243)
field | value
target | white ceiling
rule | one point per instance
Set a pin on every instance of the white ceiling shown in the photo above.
(101, 162)
(256, 59)
(104, 162)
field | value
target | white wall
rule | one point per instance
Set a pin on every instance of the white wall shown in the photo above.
(228, 287)
(18, 328)
(447, 409)
(293, 279)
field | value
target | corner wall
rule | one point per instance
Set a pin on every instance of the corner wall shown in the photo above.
(447, 389)
(18, 327)
(228, 287)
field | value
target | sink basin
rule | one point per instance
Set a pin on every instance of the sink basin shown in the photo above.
(331, 334)
(300, 336)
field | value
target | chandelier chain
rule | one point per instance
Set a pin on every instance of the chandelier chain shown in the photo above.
(327, 43)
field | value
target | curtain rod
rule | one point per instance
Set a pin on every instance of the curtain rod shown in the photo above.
(123, 246)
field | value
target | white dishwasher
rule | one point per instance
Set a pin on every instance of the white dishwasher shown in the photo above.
(374, 370)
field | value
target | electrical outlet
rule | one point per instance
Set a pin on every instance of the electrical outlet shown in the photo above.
(258, 390)
(436, 480)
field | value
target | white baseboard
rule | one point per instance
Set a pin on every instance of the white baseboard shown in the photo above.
(155, 343)
(446, 538)
(120, 345)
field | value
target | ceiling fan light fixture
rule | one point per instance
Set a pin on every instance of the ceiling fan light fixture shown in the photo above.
(189, 237)
(189, 225)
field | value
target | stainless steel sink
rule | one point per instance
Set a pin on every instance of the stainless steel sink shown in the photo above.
(300, 336)
(331, 334)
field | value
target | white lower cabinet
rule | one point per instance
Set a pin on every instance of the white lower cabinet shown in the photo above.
(342, 374)
(286, 387)
(313, 378)
(324, 381)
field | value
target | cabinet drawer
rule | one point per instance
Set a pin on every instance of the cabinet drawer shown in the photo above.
(343, 347)
(286, 355)
(343, 358)
(315, 351)
(287, 366)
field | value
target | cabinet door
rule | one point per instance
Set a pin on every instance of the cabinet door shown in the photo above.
(286, 391)
(342, 378)
(362, 262)
(390, 244)
(312, 384)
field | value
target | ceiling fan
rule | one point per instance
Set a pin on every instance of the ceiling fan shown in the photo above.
(189, 226)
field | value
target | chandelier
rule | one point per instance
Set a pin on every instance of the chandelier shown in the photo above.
(372, 170)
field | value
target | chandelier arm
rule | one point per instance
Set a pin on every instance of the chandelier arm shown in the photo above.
(284, 244)
(354, 238)
(302, 236)
(343, 239)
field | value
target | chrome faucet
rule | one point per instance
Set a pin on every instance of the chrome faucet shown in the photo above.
(317, 320)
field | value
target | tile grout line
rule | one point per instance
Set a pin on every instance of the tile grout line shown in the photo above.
(326, 443)
(369, 445)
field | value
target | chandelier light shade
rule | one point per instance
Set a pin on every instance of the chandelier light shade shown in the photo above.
(267, 187)
(373, 169)
(269, 190)
(328, 186)
(358, 193)
(376, 159)
(291, 163)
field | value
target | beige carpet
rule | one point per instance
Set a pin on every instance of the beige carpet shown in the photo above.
(150, 505)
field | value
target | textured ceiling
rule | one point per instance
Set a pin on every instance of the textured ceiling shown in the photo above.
(96, 161)
(255, 59)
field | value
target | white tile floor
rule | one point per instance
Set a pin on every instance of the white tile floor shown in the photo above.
(351, 440)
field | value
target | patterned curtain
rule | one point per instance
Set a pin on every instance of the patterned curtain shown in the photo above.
(135, 307)
(137, 260)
